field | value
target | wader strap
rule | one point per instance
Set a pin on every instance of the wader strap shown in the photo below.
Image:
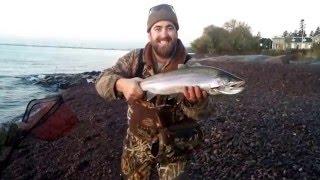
(140, 64)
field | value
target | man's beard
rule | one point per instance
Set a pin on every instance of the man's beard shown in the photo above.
(164, 51)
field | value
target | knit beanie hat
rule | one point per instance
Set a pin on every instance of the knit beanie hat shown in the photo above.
(162, 12)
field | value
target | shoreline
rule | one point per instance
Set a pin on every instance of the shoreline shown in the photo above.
(270, 130)
(61, 81)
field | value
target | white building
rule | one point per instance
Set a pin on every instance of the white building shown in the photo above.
(282, 43)
(297, 43)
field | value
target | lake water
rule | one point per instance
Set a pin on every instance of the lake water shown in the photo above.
(17, 62)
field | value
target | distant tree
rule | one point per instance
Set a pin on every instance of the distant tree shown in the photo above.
(230, 25)
(233, 24)
(235, 37)
(290, 34)
(288, 39)
(265, 43)
(241, 39)
(200, 45)
(311, 34)
(258, 35)
(317, 32)
(218, 39)
(285, 34)
(302, 28)
(300, 33)
(213, 40)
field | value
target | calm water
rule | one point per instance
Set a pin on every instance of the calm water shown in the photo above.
(17, 62)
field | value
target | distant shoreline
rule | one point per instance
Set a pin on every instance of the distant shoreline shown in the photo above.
(52, 46)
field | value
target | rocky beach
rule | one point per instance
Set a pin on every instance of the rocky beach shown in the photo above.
(269, 131)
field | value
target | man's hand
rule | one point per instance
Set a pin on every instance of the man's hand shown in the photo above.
(194, 94)
(130, 88)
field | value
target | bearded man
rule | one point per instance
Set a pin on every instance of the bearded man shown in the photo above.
(162, 131)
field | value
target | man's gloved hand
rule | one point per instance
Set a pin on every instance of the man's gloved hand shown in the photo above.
(194, 94)
(130, 88)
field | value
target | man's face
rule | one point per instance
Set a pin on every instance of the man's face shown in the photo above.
(163, 38)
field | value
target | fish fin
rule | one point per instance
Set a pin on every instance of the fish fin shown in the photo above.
(150, 95)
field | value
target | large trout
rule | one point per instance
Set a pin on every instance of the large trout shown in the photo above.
(213, 80)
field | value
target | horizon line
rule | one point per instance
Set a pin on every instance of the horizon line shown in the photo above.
(61, 46)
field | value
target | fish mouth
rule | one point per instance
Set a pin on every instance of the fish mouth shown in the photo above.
(239, 84)
(237, 87)
(233, 88)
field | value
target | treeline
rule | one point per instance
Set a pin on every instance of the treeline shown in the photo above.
(233, 38)
(298, 33)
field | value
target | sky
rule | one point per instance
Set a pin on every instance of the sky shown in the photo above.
(125, 21)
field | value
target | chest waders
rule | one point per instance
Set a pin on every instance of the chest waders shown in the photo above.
(162, 123)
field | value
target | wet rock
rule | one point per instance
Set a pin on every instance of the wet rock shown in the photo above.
(270, 131)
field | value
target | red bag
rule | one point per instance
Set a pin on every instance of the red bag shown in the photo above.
(51, 118)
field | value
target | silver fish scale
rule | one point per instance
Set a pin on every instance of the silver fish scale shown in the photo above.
(176, 84)
(175, 81)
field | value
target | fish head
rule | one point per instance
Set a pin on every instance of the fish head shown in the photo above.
(226, 83)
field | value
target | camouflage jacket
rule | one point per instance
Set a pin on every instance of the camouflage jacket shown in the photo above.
(127, 66)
